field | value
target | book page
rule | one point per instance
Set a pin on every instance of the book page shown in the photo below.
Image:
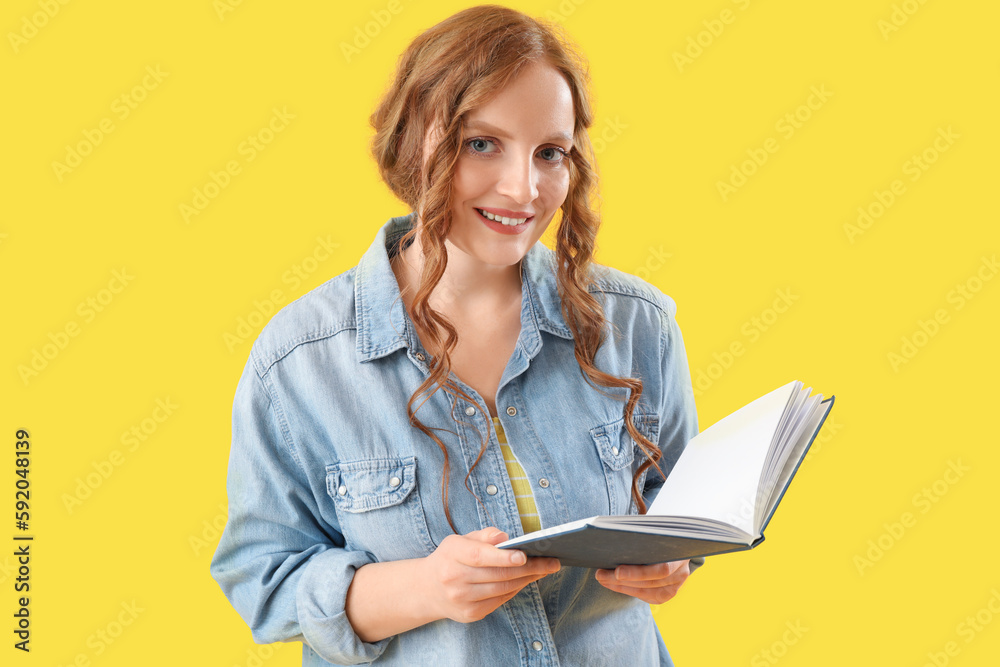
(717, 474)
(776, 487)
(793, 423)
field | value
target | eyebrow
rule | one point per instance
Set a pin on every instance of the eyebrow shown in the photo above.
(565, 136)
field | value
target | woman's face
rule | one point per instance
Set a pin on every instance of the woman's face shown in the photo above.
(514, 164)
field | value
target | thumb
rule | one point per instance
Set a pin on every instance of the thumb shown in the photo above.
(490, 535)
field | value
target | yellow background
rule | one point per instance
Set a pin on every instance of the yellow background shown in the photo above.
(671, 131)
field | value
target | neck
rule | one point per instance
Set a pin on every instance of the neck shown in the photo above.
(468, 288)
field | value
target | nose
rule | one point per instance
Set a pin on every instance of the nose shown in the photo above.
(519, 179)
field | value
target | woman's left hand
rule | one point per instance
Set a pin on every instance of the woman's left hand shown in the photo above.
(654, 584)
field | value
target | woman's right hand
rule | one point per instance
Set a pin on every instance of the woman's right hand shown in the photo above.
(464, 579)
(467, 577)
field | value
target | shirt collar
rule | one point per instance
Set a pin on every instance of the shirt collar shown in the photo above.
(384, 326)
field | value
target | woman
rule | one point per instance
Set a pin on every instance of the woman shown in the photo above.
(461, 385)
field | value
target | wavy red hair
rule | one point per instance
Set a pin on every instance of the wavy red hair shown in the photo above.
(447, 71)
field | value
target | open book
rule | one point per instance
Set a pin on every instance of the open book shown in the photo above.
(718, 497)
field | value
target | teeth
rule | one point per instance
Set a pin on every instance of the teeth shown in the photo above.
(510, 222)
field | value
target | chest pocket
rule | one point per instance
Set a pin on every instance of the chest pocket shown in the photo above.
(620, 456)
(378, 507)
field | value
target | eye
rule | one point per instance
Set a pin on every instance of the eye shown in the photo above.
(553, 154)
(480, 145)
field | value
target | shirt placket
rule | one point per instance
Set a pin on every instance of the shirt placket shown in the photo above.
(525, 611)
(489, 480)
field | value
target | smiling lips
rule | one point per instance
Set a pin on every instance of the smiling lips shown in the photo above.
(505, 217)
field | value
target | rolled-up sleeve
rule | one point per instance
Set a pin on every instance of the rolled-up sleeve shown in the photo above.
(280, 564)
(678, 416)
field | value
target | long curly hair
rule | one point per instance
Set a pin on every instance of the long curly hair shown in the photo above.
(447, 71)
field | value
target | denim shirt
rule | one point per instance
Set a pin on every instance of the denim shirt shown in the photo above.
(326, 474)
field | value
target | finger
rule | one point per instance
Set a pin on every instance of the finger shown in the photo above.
(641, 584)
(650, 595)
(502, 589)
(655, 572)
(535, 567)
(477, 550)
(484, 554)
(490, 535)
(499, 602)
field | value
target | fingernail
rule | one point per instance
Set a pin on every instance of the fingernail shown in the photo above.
(518, 558)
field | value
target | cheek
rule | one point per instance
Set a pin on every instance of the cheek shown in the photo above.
(471, 178)
(555, 187)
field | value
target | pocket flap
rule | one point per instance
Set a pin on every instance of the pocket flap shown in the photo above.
(615, 445)
(360, 486)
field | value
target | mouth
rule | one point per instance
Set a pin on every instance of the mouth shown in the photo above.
(506, 221)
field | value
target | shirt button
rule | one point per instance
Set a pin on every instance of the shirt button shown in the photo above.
(394, 482)
(544, 483)
(420, 356)
(512, 411)
(470, 411)
(492, 489)
(537, 645)
(614, 450)
(342, 490)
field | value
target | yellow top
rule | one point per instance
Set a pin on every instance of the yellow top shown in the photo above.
(519, 483)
